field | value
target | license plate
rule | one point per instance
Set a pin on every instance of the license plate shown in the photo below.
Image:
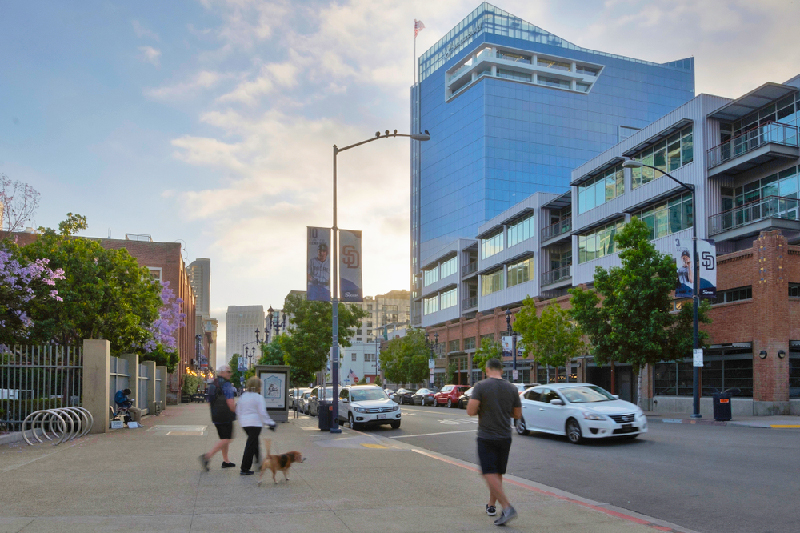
(627, 426)
(381, 416)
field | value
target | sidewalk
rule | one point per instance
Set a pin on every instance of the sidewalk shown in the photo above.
(149, 479)
(775, 422)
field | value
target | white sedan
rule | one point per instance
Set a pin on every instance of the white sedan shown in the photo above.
(579, 411)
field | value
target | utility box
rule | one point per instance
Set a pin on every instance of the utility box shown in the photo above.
(325, 415)
(275, 390)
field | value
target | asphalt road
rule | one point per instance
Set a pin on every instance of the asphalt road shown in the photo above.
(702, 477)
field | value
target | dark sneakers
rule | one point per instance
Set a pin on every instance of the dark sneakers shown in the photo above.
(246, 473)
(490, 510)
(204, 462)
(228, 465)
(508, 514)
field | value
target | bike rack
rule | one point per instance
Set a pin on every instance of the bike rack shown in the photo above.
(59, 425)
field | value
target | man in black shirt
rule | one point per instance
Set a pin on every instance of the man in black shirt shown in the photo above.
(495, 401)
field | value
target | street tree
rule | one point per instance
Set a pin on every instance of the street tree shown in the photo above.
(106, 294)
(551, 339)
(306, 350)
(405, 359)
(18, 202)
(628, 316)
(163, 346)
(489, 349)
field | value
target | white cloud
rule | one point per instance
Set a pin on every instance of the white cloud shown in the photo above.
(150, 55)
(142, 32)
(280, 75)
(202, 80)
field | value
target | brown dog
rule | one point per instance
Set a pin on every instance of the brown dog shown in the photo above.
(280, 463)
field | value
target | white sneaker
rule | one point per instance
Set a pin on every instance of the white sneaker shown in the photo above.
(490, 510)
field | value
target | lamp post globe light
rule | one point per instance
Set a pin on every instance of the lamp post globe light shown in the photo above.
(629, 163)
(335, 260)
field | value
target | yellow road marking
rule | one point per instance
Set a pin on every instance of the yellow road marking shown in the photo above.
(368, 445)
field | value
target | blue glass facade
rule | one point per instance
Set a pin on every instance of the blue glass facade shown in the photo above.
(495, 141)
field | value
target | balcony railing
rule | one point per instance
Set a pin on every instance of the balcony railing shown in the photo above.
(556, 275)
(559, 228)
(468, 269)
(769, 207)
(469, 303)
(774, 132)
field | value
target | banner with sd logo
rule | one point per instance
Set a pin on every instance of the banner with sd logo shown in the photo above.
(350, 266)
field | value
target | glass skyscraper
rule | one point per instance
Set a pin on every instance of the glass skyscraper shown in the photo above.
(512, 110)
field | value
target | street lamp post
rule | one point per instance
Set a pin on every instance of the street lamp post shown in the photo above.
(513, 335)
(696, 278)
(335, 259)
(432, 345)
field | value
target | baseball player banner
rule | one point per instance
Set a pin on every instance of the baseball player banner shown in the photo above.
(707, 252)
(318, 270)
(350, 265)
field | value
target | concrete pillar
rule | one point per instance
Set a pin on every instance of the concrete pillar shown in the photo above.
(133, 375)
(163, 386)
(95, 385)
(151, 386)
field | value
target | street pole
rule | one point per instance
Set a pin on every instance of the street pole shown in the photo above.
(335, 286)
(696, 282)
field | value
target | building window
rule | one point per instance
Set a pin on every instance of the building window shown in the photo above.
(794, 290)
(783, 183)
(794, 375)
(668, 217)
(513, 75)
(520, 272)
(449, 267)
(733, 295)
(667, 155)
(521, 231)
(431, 276)
(552, 63)
(469, 343)
(449, 299)
(155, 273)
(453, 346)
(352, 357)
(599, 243)
(608, 185)
(554, 82)
(492, 245)
(492, 282)
(676, 379)
(431, 304)
(490, 336)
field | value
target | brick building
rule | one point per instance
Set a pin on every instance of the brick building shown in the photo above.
(165, 263)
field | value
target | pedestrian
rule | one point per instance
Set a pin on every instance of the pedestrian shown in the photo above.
(223, 413)
(122, 400)
(496, 402)
(252, 413)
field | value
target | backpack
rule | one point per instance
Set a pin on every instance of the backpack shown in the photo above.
(220, 412)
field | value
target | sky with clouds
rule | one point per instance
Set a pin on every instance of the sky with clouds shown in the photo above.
(212, 121)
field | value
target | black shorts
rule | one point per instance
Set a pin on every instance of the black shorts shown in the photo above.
(493, 455)
(225, 431)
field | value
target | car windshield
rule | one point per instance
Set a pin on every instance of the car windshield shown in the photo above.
(590, 394)
(367, 394)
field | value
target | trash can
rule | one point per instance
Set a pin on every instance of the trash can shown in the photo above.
(324, 415)
(722, 405)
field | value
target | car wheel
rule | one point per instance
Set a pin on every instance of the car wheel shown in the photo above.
(449, 402)
(395, 425)
(522, 429)
(352, 422)
(574, 431)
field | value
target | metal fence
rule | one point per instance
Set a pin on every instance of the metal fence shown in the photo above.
(34, 378)
(118, 379)
(141, 398)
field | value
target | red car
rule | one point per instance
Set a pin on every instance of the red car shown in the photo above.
(449, 395)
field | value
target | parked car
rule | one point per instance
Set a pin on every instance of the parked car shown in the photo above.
(423, 397)
(579, 411)
(389, 393)
(367, 405)
(449, 395)
(404, 396)
(296, 395)
(316, 395)
(522, 387)
(463, 400)
(302, 403)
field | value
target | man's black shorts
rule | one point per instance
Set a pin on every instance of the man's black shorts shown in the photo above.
(493, 455)
(225, 431)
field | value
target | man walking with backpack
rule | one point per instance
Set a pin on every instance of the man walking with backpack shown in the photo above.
(223, 413)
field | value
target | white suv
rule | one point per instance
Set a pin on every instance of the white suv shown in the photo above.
(363, 405)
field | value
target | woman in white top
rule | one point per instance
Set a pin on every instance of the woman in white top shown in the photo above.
(251, 410)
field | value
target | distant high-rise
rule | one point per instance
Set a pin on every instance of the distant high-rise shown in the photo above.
(241, 322)
(200, 279)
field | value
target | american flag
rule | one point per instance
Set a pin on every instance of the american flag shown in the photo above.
(353, 376)
(418, 27)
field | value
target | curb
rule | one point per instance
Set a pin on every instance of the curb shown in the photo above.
(10, 438)
(731, 423)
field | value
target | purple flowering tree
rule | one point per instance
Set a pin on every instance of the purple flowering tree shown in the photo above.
(162, 347)
(20, 283)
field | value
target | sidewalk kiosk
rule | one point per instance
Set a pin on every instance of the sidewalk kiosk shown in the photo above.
(275, 390)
